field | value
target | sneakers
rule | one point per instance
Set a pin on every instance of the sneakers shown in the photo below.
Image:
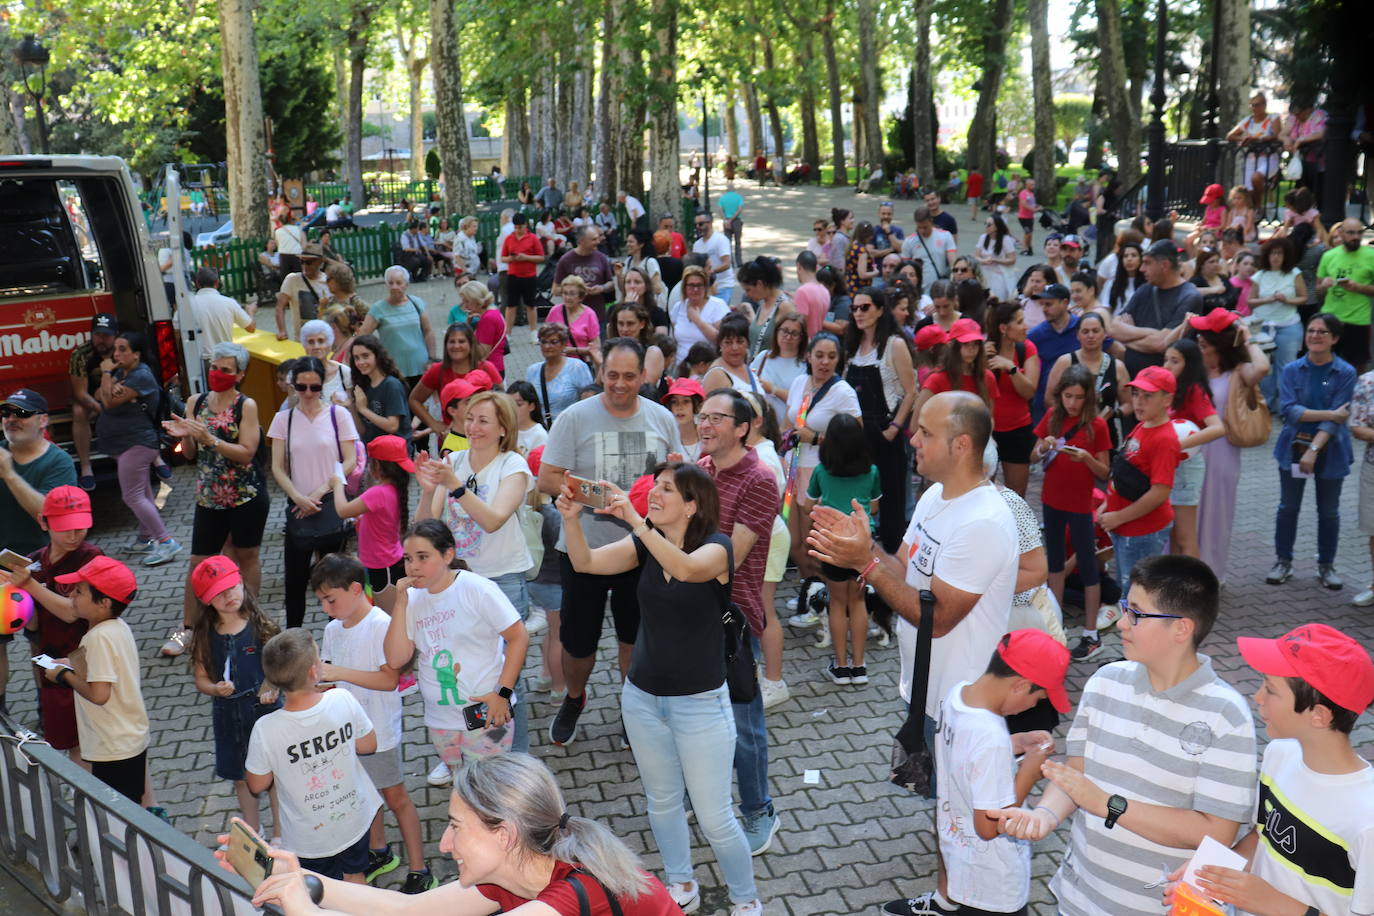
(687, 896)
(775, 692)
(141, 545)
(858, 674)
(379, 863)
(406, 684)
(1087, 647)
(1280, 573)
(1363, 599)
(924, 905)
(759, 830)
(823, 640)
(805, 620)
(1329, 577)
(86, 482)
(837, 674)
(441, 775)
(1107, 616)
(162, 552)
(417, 882)
(177, 641)
(563, 728)
(164, 471)
(752, 908)
(159, 812)
(538, 622)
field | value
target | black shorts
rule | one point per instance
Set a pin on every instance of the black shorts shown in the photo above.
(124, 776)
(378, 579)
(584, 608)
(242, 526)
(349, 861)
(1027, 223)
(1015, 445)
(837, 573)
(521, 291)
(1353, 347)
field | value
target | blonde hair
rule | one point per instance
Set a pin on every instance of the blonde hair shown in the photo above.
(575, 282)
(463, 223)
(695, 271)
(342, 275)
(288, 657)
(506, 415)
(476, 291)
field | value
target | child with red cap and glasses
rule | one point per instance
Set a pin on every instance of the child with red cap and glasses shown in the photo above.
(1313, 841)
(226, 662)
(55, 630)
(103, 672)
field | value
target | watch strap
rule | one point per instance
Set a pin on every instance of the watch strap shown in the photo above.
(505, 693)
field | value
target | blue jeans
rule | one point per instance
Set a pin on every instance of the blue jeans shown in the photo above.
(1287, 342)
(751, 752)
(687, 742)
(1130, 550)
(1328, 516)
(513, 586)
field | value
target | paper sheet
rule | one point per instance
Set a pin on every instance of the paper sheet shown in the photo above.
(1212, 852)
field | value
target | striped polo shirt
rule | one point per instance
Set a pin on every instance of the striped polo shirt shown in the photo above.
(1190, 747)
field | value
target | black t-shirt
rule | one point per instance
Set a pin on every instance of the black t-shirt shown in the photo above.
(1152, 307)
(943, 220)
(680, 648)
(386, 400)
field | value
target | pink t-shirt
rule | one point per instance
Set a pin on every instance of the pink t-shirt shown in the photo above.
(812, 300)
(584, 328)
(313, 451)
(491, 331)
(1213, 215)
(1025, 205)
(379, 528)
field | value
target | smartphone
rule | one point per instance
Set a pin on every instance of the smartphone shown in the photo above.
(14, 561)
(588, 492)
(248, 852)
(1073, 449)
(475, 715)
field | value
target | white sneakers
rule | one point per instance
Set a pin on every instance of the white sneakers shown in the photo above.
(177, 641)
(538, 621)
(441, 775)
(774, 692)
(687, 896)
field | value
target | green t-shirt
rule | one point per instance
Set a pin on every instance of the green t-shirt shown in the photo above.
(1358, 265)
(838, 492)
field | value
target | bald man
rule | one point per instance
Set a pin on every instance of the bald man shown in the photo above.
(1346, 276)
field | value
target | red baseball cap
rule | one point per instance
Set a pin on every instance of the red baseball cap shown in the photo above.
(639, 494)
(214, 575)
(932, 335)
(456, 390)
(479, 380)
(1212, 194)
(1217, 320)
(1039, 658)
(108, 575)
(1154, 378)
(534, 459)
(684, 388)
(1323, 656)
(966, 330)
(393, 449)
(67, 508)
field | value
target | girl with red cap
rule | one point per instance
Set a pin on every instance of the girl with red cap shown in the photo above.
(382, 511)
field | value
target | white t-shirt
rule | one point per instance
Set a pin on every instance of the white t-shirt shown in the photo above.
(970, 543)
(327, 799)
(458, 633)
(117, 730)
(841, 398)
(498, 552)
(780, 372)
(1316, 832)
(530, 439)
(685, 331)
(360, 647)
(977, 773)
(933, 251)
(715, 248)
(633, 208)
(290, 238)
(507, 229)
(333, 213)
(215, 317)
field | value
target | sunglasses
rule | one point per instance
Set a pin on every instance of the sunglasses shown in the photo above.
(19, 413)
(862, 308)
(1137, 616)
(301, 386)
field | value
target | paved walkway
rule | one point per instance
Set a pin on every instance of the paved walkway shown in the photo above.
(847, 843)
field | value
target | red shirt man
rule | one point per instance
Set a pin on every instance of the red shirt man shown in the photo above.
(522, 241)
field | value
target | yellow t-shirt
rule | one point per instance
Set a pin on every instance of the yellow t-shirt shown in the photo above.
(119, 729)
(453, 443)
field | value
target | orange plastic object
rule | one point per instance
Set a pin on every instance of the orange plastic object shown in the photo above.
(1189, 901)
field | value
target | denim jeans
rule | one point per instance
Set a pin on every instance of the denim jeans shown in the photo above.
(687, 741)
(1130, 550)
(1287, 342)
(1328, 516)
(514, 587)
(751, 752)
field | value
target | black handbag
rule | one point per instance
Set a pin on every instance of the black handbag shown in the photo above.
(325, 524)
(740, 673)
(913, 761)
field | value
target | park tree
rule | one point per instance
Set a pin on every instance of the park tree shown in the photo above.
(922, 99)
(664, 191)
(1122, 112)
(995, 23)
(410, 38)
(1233, 62)
(832, 79)
(450, 121)
(1043, 100)
(1072, 116)
(869, 80)
(245, 141)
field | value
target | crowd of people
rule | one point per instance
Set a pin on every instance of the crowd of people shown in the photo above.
(695, 427)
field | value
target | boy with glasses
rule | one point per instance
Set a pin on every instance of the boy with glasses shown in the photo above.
(1161, 752)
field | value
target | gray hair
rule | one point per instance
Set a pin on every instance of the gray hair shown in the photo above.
(316, 326)
(463, 223)
(518, 790)
(229, 350)
(583, 229)
(396, 269)
(506, 215)
(921, 214)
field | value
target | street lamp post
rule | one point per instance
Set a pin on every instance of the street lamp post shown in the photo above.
(705, 144)
(33, 58)
(1155, 183)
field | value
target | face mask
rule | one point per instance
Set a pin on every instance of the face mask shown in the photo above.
(222, 381)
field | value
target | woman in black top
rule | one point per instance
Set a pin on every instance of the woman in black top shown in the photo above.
(675, 703)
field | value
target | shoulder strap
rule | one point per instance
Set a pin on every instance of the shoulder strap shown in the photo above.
(334, 421)
(584, 905)
(546, 407)
(415, 305)
(821, 392)
(290, 418)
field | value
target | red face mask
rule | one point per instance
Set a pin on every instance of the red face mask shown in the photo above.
(222, 381)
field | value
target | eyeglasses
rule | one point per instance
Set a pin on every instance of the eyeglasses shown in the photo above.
(18, 413)
(1137, 616)
(694, 285)
(963, 270)
(789, 332)
(301, 386)
(1320, 332)
(713, 419)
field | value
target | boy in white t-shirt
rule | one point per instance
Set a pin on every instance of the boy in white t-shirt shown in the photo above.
(354, 657)
(310, 749)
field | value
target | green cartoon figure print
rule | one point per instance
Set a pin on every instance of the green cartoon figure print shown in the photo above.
(446, 672)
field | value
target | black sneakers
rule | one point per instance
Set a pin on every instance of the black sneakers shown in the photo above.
(563, 729)
(838, 674)
(924, 905)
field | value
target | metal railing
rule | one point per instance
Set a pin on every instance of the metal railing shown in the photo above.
(1192, 165)
(75, 843)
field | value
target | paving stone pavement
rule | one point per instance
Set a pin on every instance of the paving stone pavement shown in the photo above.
(847, 844)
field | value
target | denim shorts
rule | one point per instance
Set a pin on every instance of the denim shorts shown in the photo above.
(1187, 489)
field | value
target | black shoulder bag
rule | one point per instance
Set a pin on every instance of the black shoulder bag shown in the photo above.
(584, 904)
(913, 761)
(325, 524)
(545, 407)
(740, 673)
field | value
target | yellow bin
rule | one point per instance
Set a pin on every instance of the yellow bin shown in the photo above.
(265, 354)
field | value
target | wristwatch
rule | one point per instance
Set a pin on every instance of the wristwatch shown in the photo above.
(458, 493)
(1014, 370)
(505, 693)
(1116, 806)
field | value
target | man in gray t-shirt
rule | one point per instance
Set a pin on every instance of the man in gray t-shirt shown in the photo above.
(616, 436)
(1156, 309)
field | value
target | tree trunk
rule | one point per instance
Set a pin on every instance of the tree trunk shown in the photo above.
(922, 124)
(1122, 115)
(564, 114)
(732, 125)
(585, 109)
(860, 134)
(415, 65)
(1043, 97)
(15, 108)
(755, 118)
(871, 86)
(1233, 63)
(982, 132)
(1097, 127)
(9, 130)
(806, 65)
(608, 103)
(341, 104)
(356, 46)
(632, 151)
(771, 103)
(832, 76)
(247, 155)
(664, 190)
(449, 117)
(516, 148)
(542, 107)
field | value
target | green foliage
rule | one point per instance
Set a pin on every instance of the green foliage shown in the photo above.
(1071, 115)
(433, 167)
